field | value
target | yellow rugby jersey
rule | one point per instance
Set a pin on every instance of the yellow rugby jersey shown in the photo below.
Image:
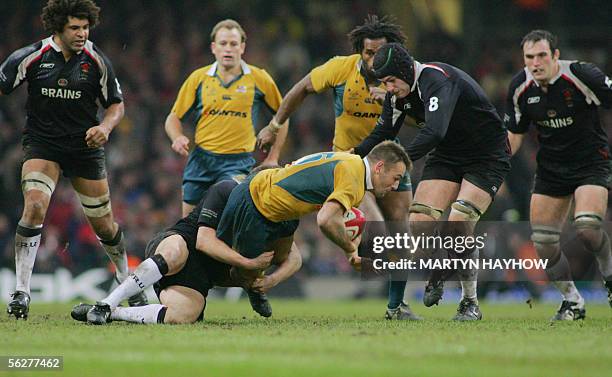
(356, 113)
(225, 114)
(302, 187)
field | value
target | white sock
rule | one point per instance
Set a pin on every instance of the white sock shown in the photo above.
(118, 256)
(569, 291)
(558, 274)
(139, 314)
(144, 276)
(469, 279)
(25, 256)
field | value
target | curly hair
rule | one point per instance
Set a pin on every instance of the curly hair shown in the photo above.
(374, 28)
(55, 14)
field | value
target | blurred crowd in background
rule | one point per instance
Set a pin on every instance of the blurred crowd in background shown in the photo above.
(155, 45)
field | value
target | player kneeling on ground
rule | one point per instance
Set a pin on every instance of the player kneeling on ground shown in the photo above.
(184, 262)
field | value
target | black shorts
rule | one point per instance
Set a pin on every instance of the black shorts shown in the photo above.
(563, 180)
(200, 271)
(487, 174)
(83, 163)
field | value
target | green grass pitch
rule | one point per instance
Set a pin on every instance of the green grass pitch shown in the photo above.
(321, 338)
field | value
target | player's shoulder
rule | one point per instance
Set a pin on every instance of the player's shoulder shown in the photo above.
(582, 70)
(200, 74)
(348, 158)
(259, 74)
(25, 51)
(343, 63)
(519, 78)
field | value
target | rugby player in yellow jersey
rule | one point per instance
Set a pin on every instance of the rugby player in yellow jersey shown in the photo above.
(358, 99)
(267, 207)
(223, 100)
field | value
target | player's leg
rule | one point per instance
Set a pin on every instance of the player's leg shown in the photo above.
(591, 202)
(394, 207)
(94, 195)
(547, 216)
(38, 180)
(471, 203)
(178, 305)
(431, 198)
(198, 175)
(167, 253)
(185, 305)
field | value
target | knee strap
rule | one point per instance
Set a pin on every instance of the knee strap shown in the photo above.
(467, 209)
(37, 181)
(588, 220)
(426, 210)
(542, 234)
(95, 207)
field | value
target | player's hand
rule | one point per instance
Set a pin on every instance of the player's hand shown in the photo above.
(181, 145)
(269, 162)
(378, 94)
(355, 261)
(97, 136)
(357, 241)
(262, 261)
(266, 138)
(264, 284)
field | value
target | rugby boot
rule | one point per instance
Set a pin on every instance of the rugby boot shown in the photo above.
(608, 285)
(259, 303)
(468, 310)
(570, 311)
(402, 313)
(99, 314)
(79, 312)
(19, 306)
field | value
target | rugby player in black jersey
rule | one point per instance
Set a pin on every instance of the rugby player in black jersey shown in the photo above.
(184, 262)
(66, 75)
(469, 152)
(561, 97)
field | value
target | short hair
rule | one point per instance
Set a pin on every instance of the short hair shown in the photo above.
(390, 152)
(228, 24)
(541, 35)
(55, 15)
(375, 28)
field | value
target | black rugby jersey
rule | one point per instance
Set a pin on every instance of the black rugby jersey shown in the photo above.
(566, 116)
(455, 116)
(62, 94)
(208, 211)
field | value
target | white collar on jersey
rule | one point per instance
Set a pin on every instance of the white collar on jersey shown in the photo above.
(368, 177)
(418, 68)
(563, 68)
(57, 48)
(243, 65)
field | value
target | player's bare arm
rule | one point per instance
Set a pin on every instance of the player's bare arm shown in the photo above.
(286, 268)
(208, 243)
(294, 98)
(174, 130)
(516, 140)
(331, 223)
(98, 135)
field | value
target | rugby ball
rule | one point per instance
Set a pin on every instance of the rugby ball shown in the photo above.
(354, 222)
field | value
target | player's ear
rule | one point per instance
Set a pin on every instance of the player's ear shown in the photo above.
(379, 167)
(557, 54)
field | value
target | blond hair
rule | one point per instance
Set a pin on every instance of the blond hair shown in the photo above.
(228, 24)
